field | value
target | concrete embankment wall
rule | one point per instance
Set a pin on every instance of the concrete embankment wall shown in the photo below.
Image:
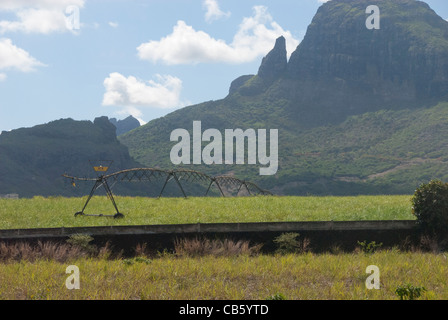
(322, 236)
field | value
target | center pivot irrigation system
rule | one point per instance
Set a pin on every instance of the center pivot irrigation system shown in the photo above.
(153, 175)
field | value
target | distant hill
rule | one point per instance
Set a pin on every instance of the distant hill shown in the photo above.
(32, 160)
(358, 111)
(125, 125)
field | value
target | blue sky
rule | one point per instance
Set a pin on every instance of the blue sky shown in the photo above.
(145, 58)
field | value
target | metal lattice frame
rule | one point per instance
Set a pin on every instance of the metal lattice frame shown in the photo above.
(231, 184)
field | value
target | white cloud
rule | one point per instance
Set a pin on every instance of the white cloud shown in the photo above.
(20, 4)
(113, 24)
(255, 37)
(131, 93)
(40, 16)
(12, 57)
(3, 77)
(35, 21)
(213, 11)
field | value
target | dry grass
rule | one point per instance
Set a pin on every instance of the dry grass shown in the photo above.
(295, 276)
(198, 247)
(60, 252)
(42, 251)
(70, 251)
(205, 269)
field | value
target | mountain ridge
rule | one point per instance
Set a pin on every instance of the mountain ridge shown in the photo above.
(32, 160)
(341, 65)
(125, 125)
(341, 75)
(358, 111)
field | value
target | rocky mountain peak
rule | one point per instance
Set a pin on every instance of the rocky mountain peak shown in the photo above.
(406, 58)
(125, 125)
(275, 62)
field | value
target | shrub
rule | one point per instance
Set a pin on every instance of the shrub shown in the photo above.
(409, 292)
(430, 206)
(277, 296)
(128, 262)
(131, 261)
(288, 243)
(370, 247)
(82, 241)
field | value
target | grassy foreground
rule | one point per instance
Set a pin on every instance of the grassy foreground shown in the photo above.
(40, 212)
(243, 276)
(295, 276)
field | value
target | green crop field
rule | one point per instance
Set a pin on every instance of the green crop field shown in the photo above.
(52, 212)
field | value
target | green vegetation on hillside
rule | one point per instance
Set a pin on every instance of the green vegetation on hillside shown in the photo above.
(33, 160)
(358, 111)
(383, 152)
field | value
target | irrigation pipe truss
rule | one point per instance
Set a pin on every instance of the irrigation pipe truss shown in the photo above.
(152, 174)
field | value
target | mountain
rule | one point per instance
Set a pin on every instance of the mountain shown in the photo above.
(125, 125)
(32, 160)
(342, 68)
(358, 110)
